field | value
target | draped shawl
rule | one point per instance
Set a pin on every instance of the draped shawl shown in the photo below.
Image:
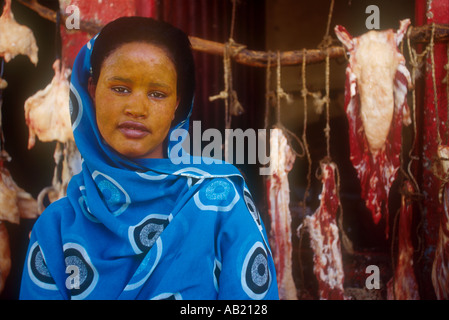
(146, 228)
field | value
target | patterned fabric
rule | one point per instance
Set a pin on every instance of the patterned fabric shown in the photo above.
(146, 229)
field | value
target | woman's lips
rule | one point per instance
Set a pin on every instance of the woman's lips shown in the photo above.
(133, 130)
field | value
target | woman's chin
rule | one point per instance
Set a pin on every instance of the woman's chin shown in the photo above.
(141, 154)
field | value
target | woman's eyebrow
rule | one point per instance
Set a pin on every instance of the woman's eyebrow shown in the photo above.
(127, 80)
(117, 78)
(159, 84)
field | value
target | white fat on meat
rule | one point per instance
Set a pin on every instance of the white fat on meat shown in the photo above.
(375, 70)
(47, 112)
(325, 239)
(15, 203)
(282, 159)
(16, 39)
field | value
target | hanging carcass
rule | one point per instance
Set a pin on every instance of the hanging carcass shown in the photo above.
(16, 39)
(376, 107)
(282, 159)
(47, 112)
(324, 237)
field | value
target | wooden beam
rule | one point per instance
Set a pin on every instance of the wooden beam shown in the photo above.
(261, 58)
(254, 58)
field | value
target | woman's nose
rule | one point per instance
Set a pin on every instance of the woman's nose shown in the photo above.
(137, 106)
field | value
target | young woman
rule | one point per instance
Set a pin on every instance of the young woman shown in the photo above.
(134, 225)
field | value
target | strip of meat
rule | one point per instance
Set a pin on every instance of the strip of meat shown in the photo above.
(15, 203)
(5, 256)
(67, 163)
(325, 240)
(376, 107)
(404, 286)
(47, 112)
(440, 267)
(16, 39)
(281, 162)
(9, 210)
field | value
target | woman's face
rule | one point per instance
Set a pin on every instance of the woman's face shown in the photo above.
(136, 99)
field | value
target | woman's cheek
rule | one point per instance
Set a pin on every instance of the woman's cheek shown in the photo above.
(107, 109)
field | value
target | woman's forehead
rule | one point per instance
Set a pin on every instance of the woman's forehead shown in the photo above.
(138, 58)
(141, 50)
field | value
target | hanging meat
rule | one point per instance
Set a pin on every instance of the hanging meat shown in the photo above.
(325, 239)
(47, 112)
(282, 159)
(15, 39)
(440, 267)
(67, 164)
(403, 286)
(5, 255)
(9, 210)
(376, 107)
(14, 201)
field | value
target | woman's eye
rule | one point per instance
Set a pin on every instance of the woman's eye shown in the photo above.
(120, 90)
(156, 94)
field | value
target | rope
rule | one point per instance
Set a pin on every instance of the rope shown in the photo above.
(415, 62)
(304, 93)
(234, 5)
(232, 105)
(327, 39)
(327, 129)
(437, 168)
(329, 18)
(268, 93)
(324, 45)
(299, 230)
(231, 49)
(280, 93)
(435, 95)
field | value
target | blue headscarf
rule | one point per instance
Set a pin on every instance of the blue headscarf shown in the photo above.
(146, 228)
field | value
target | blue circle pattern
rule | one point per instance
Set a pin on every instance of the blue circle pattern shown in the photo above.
(219, 196)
